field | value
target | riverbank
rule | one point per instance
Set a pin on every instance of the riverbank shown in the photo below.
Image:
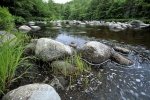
(77, 77)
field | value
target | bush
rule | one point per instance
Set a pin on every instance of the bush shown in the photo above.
(19, 20)
(10, 59)
(6, 19)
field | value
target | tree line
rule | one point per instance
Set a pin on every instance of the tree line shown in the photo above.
(106, 9)
(79, 9)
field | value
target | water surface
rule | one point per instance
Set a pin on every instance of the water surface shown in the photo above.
(114, 82)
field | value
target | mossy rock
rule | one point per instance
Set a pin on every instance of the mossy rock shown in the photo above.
(62, 67)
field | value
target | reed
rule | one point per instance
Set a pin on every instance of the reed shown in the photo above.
(10, 57)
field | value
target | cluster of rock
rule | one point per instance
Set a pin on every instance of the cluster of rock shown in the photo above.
(114, 26)
(30, 27)
(49, 50)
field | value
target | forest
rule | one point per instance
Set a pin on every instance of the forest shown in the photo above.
(79, 9)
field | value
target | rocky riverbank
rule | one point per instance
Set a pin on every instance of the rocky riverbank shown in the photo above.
(67, 67)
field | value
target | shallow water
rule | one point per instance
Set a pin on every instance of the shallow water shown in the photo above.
(114, 82)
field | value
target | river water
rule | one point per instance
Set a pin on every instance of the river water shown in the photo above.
(113, 81)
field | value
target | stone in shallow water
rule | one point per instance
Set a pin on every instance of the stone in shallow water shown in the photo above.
(24, 28)
(138, 80)
(95, 52)
(121, 49)
(33, 92)
(121, 59)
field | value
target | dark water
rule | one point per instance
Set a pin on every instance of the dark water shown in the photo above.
(114, 82)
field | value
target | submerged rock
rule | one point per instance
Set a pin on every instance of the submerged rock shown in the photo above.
(48, 49)
(95, 52)
(24, 28)
(121, 59)
(121, 49)
(33, 92)
(62, 67)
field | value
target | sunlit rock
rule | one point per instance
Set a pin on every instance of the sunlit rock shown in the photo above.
(48, 49)
(95, 52)
(24, 28)
(33, 92)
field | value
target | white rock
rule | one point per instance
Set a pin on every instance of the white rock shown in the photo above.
(33, 92)
(25, 28)
(35, 28)
(48, 49)
(31, 23)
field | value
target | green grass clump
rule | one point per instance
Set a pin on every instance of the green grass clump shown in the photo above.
(77, 61)
(10, 57)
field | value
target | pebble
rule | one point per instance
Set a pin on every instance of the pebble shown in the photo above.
(138, 80)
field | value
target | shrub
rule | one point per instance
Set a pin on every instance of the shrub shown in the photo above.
(6, 19)
(10, 58)
(19, 20)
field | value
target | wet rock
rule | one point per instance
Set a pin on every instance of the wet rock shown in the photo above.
(82, 32)
(121, 49)
(30, 48)
(33, 92)
(121, 59)
(73, 44)
(95, 52)
(24, 28)
(62, 67)
(55, 28)
(68, 26)
(116, 27)
(31, 23)
(58, 83)
(59, 25)
(5, 36)
(138, 24)
(49, 50)
(35, 28)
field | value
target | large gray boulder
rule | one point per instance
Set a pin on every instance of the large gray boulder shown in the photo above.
(95, 52)
(49, 50)
(24, 28)
(33, 92)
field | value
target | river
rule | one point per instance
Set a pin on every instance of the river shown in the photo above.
(112, 81)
